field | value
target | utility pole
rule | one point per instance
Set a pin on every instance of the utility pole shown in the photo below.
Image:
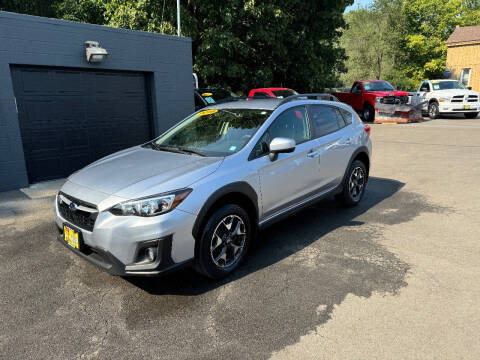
(178, 18)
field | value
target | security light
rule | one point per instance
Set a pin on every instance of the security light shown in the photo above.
(94, 52)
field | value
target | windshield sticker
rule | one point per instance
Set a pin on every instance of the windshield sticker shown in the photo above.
(435, 82)
(366, 82)
(207, 94)
(207, 112)
(436, 86)
(209, 100)
(232, 148)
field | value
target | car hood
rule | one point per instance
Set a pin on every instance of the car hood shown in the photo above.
(388, 93)
(138, 172)
(453, 92)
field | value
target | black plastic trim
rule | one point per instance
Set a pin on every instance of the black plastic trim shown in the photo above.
(235, 187)
(110, 264)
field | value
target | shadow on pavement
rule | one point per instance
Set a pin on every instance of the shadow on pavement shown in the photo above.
(287, 238)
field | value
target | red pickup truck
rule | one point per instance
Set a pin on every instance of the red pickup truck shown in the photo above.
(362, 95)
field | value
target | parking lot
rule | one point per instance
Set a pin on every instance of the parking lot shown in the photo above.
(394, 278)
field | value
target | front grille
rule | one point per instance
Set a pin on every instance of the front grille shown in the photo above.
(83, 216)
(472, 98)
(457, 98)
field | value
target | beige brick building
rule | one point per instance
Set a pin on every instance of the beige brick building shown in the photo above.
(463, 55)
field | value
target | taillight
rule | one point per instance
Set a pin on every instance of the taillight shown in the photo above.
(367, 129)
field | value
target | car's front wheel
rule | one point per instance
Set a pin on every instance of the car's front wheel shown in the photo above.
(354, 184)
(224, 241)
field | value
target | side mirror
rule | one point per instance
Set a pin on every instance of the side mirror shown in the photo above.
(425, 89)
(281, 145)
(469, 87)
(356, 91)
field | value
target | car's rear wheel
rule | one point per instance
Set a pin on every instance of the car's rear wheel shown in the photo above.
(368, 113)
(470, 115)
(433, 110)
(354, 184)
(224, 241)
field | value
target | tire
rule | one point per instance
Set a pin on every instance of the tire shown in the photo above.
(470, 115)
(220, 251)
(368, 113)
(354, 184)
(433, 110)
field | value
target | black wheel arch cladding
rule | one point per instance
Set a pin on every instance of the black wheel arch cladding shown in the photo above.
(240, 187)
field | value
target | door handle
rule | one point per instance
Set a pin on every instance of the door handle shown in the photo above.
(313, 154)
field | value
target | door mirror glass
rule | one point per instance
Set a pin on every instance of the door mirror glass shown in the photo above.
(281, 145)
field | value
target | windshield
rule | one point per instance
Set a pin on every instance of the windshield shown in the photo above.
(447, 85)
(377, 86)
(211, 96)
(213, 132)
(280, 94)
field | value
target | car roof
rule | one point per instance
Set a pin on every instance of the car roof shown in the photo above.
(269, 103)
(363, 81)
(260, 104)
(443, 80)
(270, 89)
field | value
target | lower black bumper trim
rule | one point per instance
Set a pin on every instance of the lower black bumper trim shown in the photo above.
(113, 266)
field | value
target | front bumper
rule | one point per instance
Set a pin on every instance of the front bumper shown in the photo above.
(110, 264)
(459, 107)
(114, 242)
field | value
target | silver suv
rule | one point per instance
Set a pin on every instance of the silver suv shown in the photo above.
(200, 192)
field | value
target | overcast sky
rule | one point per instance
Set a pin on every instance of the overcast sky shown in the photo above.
(358, 3)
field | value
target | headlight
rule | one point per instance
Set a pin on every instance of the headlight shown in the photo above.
(444, 99)
(151, 206)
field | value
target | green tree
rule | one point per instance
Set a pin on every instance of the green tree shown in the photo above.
(32, 7)
(426, 26)
(368, 47)
(240, 44)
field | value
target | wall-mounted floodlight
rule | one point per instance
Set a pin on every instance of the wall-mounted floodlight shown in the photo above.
(95, 53)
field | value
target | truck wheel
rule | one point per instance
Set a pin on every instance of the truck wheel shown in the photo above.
(470, 115)
(368, 113)
(433, 111)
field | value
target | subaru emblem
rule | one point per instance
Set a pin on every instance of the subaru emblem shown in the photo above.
(73, 206)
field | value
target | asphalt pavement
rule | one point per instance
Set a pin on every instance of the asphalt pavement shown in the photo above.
(394, 278)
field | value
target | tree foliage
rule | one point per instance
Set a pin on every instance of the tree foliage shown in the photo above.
(407, 35)
(237, 44)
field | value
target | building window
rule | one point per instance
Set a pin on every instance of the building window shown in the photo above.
(465, 77)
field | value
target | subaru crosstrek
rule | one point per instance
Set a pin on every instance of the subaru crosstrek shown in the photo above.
(199, 193)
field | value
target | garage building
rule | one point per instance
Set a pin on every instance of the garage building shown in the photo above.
(59, 112)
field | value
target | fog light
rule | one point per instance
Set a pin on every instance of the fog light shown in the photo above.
(150, 254)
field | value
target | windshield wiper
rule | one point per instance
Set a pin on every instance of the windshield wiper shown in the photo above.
(175, 149)
(190, 151)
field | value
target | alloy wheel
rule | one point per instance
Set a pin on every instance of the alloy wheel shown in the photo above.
(228, 241)
(356, 183)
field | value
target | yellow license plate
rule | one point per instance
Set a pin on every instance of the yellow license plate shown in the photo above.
(466, 107)
(71, 237)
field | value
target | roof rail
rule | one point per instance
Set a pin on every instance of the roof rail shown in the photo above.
(238, 98)
(319, 96)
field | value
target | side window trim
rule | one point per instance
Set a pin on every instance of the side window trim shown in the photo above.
(310, 137)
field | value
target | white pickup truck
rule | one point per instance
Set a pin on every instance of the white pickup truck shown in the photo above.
(448, 97)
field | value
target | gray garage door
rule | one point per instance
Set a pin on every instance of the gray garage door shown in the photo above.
(70, 118)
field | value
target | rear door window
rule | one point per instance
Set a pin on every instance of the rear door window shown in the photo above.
(325, 120)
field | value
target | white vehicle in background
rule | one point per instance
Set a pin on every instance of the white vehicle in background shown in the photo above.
(448, 97)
